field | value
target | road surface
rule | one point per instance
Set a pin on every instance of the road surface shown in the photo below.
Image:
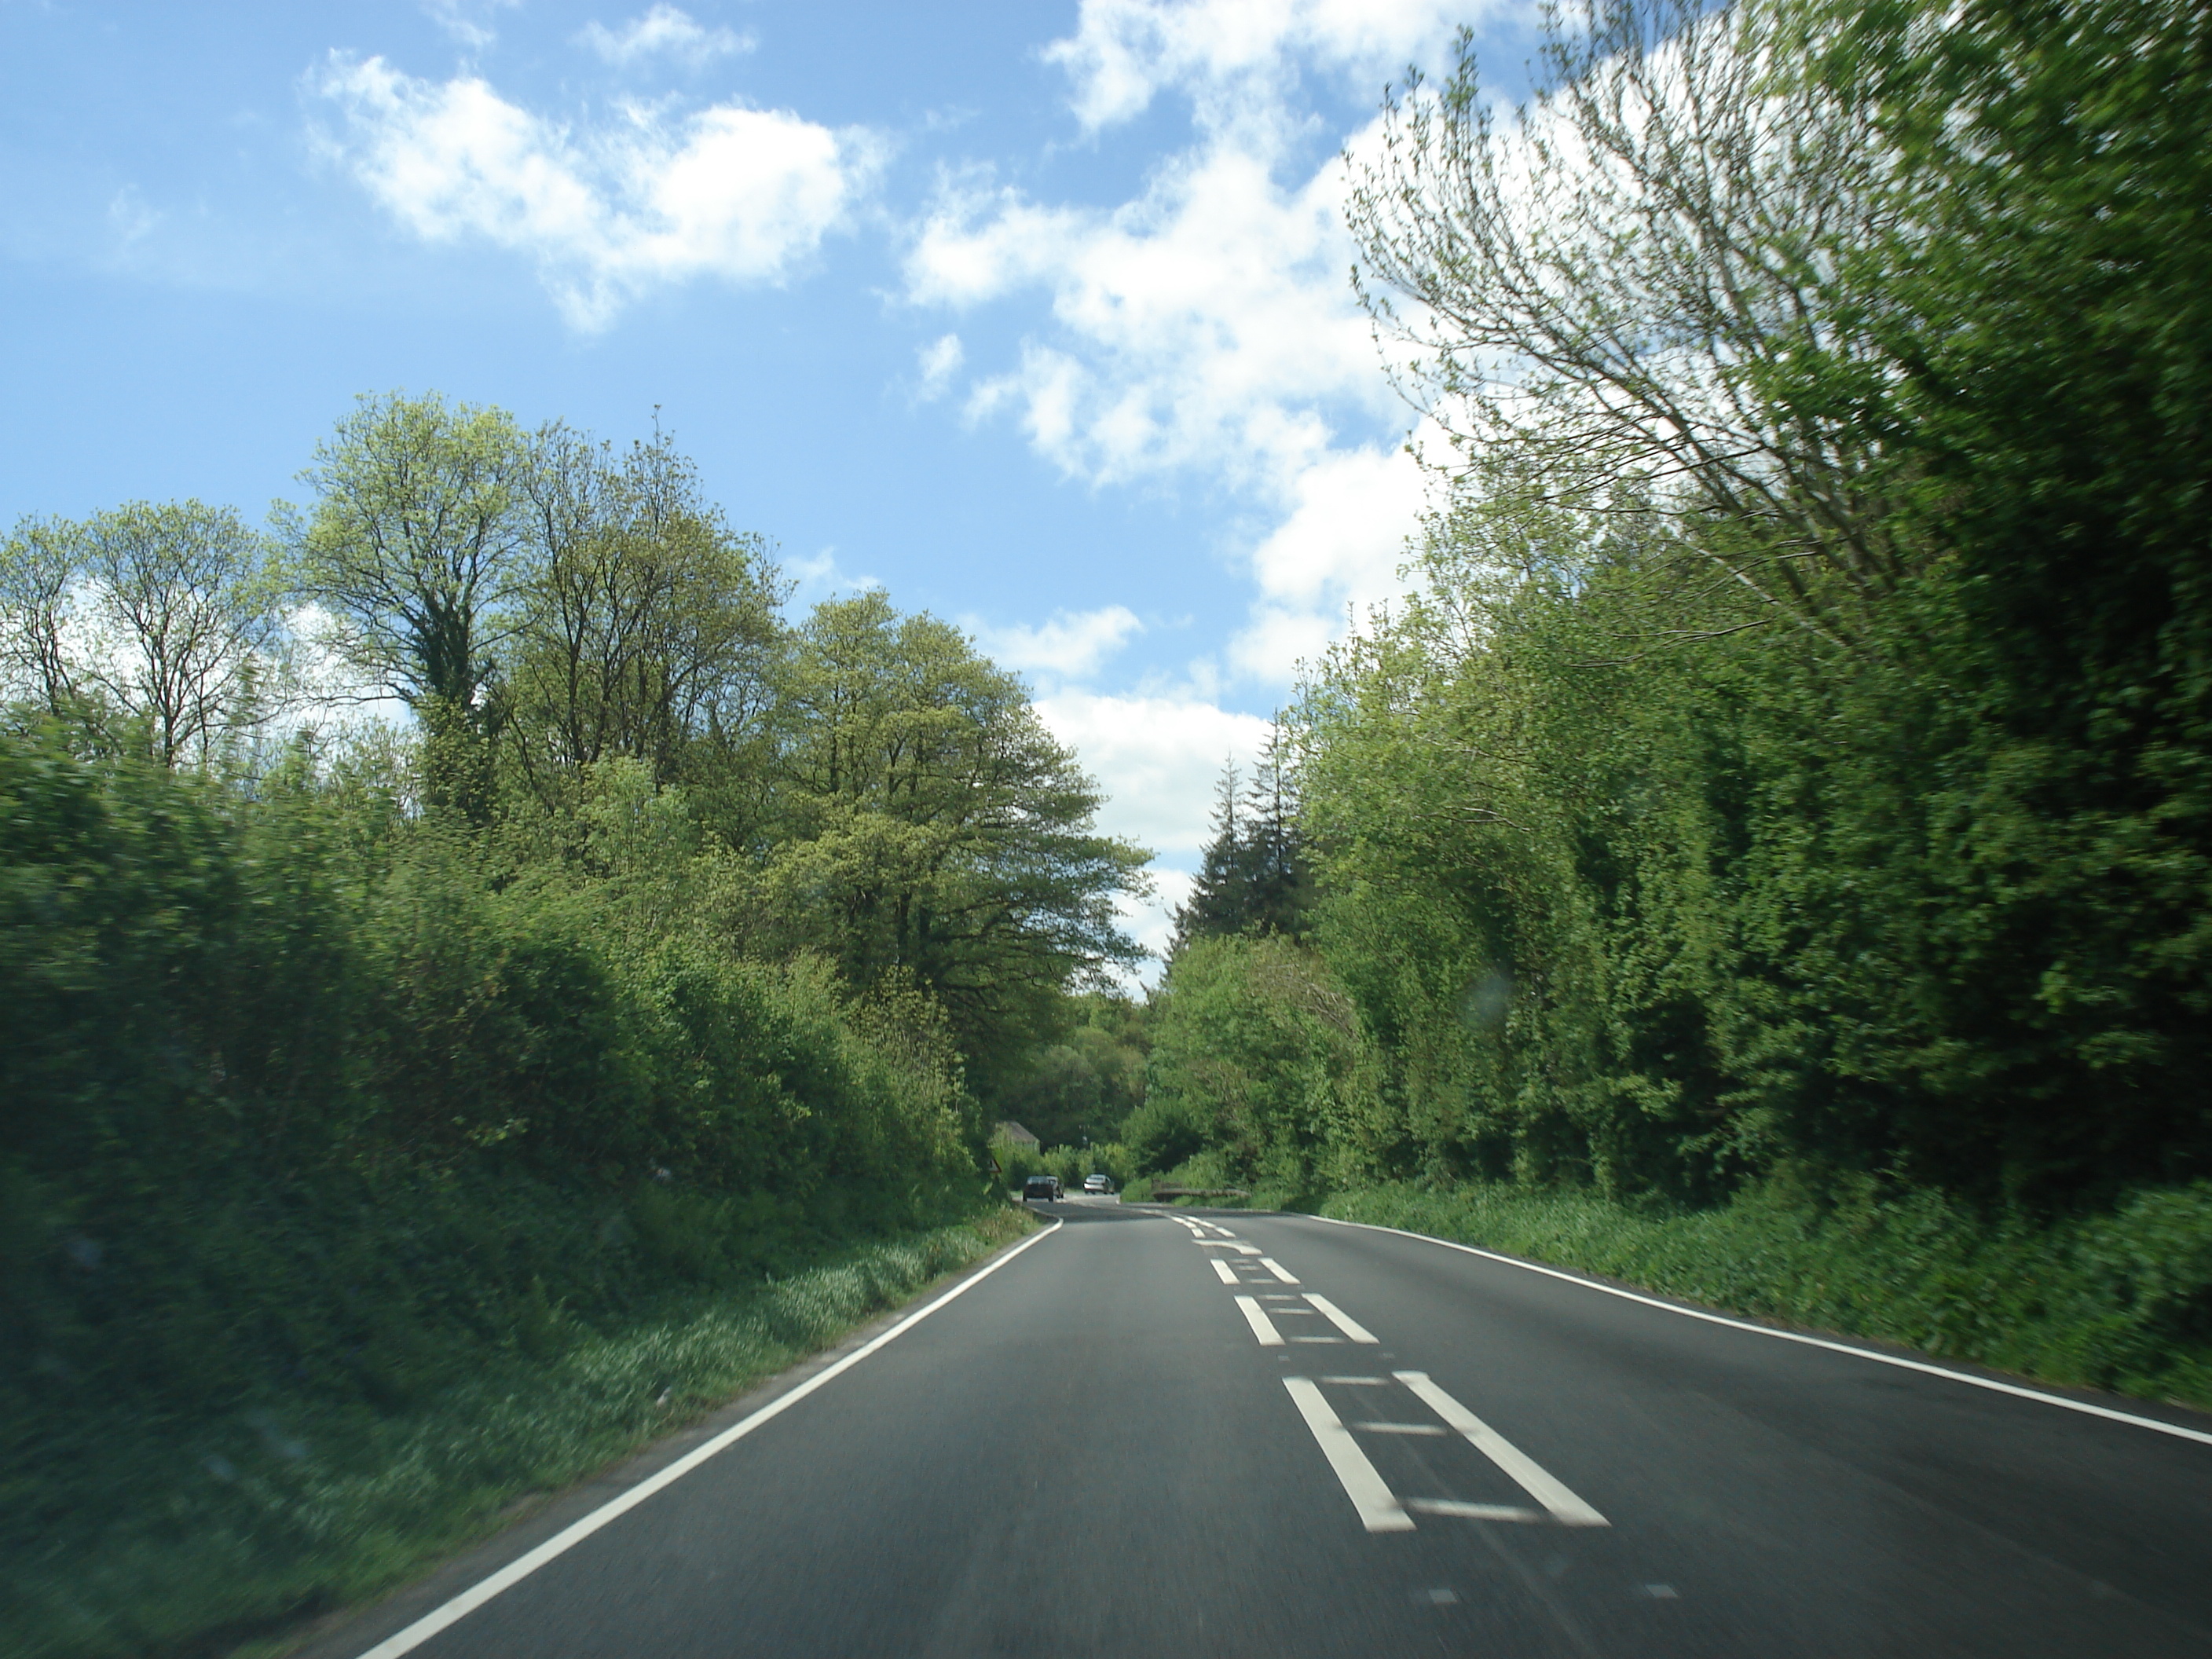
(1189, 1433)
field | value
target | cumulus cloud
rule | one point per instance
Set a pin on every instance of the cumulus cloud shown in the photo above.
(1157, 758)
(663, 31)
(1125, 52)
(652, 197)
(1203, 325)
(1338, 551)
(1204, 329)
(1072, 645)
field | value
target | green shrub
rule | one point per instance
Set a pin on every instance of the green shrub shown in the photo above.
(2119, 1299)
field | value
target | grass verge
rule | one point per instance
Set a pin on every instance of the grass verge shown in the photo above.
(2119, 1300)
(195, 1537)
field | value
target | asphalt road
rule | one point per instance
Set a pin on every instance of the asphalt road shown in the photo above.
(1171, 1434)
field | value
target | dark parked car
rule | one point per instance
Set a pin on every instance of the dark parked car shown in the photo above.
(1040, 1189)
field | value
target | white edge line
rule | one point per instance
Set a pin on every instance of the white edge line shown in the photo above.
(2087, 1408)
(560, 1543)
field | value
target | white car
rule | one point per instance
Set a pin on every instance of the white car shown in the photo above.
(1096, 1183)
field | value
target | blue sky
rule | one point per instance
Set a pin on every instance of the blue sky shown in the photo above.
(1036, 315)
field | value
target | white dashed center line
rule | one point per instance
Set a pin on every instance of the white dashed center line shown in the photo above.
(1470, 1512)
(1223, 1271)
(1525, 1472)
(1378, 1506)
(1278, 1269)
(1262, 1326)
(1343, 1321)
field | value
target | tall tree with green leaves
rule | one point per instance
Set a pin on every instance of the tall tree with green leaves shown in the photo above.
(931, 827)
(418, 550)
(165, 617)
(648, 626)
(187, 631)
(1254, 875)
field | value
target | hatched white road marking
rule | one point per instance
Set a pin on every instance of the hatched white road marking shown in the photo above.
(1262, 1326)
(1228, 1244)
(1470, 1511)
(1526, 1472)
(1378, 1506)
(1224, 1271)
(1357, 1382)
(1318, 1338)
(1278, 1270)
(1398, 1428)
(1343, 1321)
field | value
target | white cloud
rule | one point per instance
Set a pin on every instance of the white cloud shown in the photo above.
(1203, 325)
(1338, 551)
(941, 361)
(663, 31)
(651, 198)
(468, 22)
(1125, 52)
(1070, 646)
(1205, 329)
(1156, 757)
(819, 576)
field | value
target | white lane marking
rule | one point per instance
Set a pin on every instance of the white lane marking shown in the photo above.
(1228, 1244)
(1398, 1428)
(1226, 1274)
(452, 1613)
(1262, 1326)
(1359, 1381)
(1526, 1472)
(2087, 1408)
(1343, 1321)
(1470, 1511)
(1378, 1506)
(1278, 1270)
(1338, 1339)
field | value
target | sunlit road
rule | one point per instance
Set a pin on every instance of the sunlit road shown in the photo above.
(1170, 1434)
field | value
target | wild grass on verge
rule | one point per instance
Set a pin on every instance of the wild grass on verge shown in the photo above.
(2120, 1299)
(192, 1536)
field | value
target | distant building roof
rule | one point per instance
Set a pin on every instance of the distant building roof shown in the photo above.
(1010, 1130)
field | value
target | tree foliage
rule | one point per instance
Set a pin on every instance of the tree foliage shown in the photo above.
(1792, 754)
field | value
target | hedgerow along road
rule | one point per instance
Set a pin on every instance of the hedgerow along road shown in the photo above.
(1152, 1431)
